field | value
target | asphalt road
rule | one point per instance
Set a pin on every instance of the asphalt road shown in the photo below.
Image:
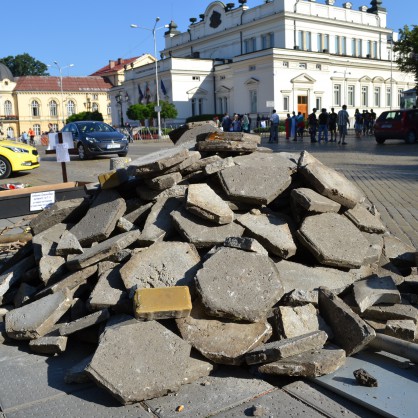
(388, 173)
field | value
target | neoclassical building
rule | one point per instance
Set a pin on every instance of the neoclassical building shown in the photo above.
(35, 101)
(291, 55)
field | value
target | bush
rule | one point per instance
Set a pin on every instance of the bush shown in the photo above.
(201, 118)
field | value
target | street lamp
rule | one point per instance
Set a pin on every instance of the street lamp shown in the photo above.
(119, 100)
(345, 83)
(62, 92)
(157, 108)
(391, 71)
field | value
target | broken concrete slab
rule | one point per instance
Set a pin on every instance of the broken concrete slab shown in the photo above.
(239, 285)
(49, 345)
(119, 162)
(272, 231)
(102, 250)
(350, 331)
(36, 319)
(388, 312)
(160, 265)
(63, 211)
(139, 214)
(158, 224)
(296, 276)
(311, 363)
(123, 225)
(294, 321)
(162, 303)
(23, 294)
(328, 182)
(156, 162)
(205, 203)
(141, 377)
(51, 268)
(46, 242)
(405, 329)
(398, 252)
(312, 201)
(364, 220)
(221, 340)
(84, 322)
(188, 132)
(375, 290)
(246, 244)
(226, 146)
(287, 347)
(333, 240)
(200, 164)
(201, 233)
(217, 166)
(253, 183)
(375, 249)
(77, 373)
(163, 182)
(230, 136)
(147, 194)
(68, 244)
(101, 218)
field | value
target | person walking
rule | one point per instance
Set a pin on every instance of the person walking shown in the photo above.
(300, 125)
(226, 123)
(25, 137)
(236, 123)
(287, 124)
(343, 121)
(293, 126)
(274, 127)
(31, 134)
(323, 125)
(332, 125)
(358, 123)
(245, 123)
(312, 124)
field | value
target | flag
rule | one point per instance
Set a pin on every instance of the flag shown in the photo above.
(163, 89)
(141, 96)
(147, 93)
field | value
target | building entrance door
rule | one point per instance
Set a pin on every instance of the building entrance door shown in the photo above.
(303, 105)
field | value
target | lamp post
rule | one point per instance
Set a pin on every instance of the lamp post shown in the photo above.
(62, 92)
(119, 100)
(391, 71)
(345, 83)
(157, 108)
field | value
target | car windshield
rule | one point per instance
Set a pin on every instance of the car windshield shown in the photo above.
(394, 115)
(95, 127)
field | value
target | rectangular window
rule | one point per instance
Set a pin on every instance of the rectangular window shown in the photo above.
(364, 96)
(343, 45)
(319, 44)
(253, 101)
(286, 64)
(318, 66)
(374, 50)
(326, 42)
(400, 91)
(267, 40)
(377, 96)
(388, 97)
(193, 107)
(286, 103)
(300, 39)
(220, 106)
(337, 94)
(196, 78)
(353, 47)
(302, 65)
(95, 96)
(308, 41)
(369, 48)
(200, 104)
(249, 45)
(337, 44)
(318, 102)
(359, 48)
(350, 95)
(252, 68)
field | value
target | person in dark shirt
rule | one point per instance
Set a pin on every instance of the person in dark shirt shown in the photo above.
(332, 125)
(312, 124)
(323, 119)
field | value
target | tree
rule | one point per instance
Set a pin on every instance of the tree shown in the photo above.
(85, 116)
(139, 112)
(407, 49)
(168, 110)
(24, 64)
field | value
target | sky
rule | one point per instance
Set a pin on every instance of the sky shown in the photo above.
(88, 34)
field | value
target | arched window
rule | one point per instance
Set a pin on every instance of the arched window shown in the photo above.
(109, 109)
(35, 108)
(8, 109)
(53, 106)
(10, 133)
(94, 107)
(70, 108)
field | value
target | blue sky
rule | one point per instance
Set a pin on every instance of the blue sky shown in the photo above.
(90, 33)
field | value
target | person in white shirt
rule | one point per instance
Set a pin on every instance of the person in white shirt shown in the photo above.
(274, 127)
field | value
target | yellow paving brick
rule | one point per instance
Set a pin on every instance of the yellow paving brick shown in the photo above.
(112, 178)
(162, 303)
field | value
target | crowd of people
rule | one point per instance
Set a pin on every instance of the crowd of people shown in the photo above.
(236, 123)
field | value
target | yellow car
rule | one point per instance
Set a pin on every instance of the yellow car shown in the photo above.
(16, 156)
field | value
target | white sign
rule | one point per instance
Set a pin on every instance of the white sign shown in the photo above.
(63, 155)
(67, 138)
(270, 103)
(157, 109)
(263, 123)
(39, 201)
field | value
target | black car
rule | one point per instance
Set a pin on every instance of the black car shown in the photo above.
(96, 138)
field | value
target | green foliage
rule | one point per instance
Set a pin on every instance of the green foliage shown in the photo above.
(407, 51)
(24, 64)
(85, 116)
(168, 110)
(139, 112)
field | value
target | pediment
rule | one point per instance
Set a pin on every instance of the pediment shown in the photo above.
(252, 82)
(197, 91)
(223, 90)
(303, 78)
(378, 79)
(365, 79)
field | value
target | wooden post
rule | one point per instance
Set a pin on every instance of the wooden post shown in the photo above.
(63, 165)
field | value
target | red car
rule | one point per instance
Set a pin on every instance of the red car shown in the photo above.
(397, 124)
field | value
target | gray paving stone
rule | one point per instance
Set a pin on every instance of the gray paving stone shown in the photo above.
(328, 182)
(364, 220)
(84, 322)
(162, 264)
(148, 194)
(46, 241)
(246, 244)
(272, 231)
(217, 166)
(405, 329)
(239, 285)
(398, 252)
(333, 240)
(49, 345)
(163, 182)
(201, 233)
(313, 201)
(224, 389)
(388, 312)
(51, 268)
(226, 146)
(68, 244)
(101, 218)
(201, 164)
(221, 341)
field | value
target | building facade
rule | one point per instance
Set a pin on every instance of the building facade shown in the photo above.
(291, 55)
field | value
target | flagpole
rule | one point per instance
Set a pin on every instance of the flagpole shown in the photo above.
(157, 87)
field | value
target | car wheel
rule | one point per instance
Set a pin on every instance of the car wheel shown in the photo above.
(380, 140)
(5, 168)
(82, 152)
(410, 137)
(123, 154)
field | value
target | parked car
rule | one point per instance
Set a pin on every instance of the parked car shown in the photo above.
(397, 124)
(16, 156)
(93, 138)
